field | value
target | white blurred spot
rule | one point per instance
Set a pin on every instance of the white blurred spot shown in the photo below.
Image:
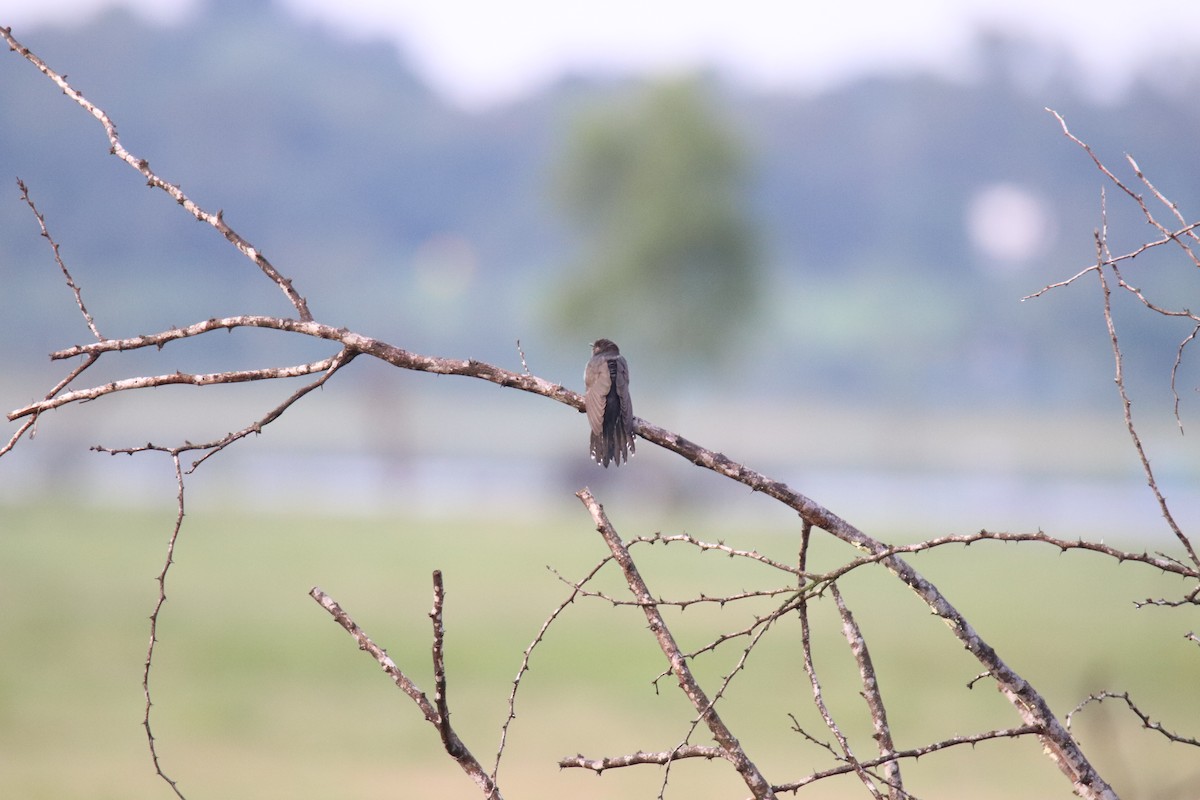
(1009, 225)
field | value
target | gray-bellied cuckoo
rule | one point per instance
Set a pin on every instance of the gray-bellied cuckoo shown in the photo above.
(606, 400)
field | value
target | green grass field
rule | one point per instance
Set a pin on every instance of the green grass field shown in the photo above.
(258, 694)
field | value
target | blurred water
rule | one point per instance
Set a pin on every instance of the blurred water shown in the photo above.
(888, 502)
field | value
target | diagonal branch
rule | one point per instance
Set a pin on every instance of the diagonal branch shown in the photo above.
(814, 681)
(1029, 703)
(871, 693)
(177, 194)
(439, 719)
(731, 749)
(576, 591)
(91, 323)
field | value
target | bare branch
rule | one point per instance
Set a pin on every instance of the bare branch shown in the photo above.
(454, 746)
(1176, 237)
(598, 765)
(1187, 230)
(58, 259)
(521, 353)
(577, 590)
(143, 167)
(731, 749)
(162, 598)
(754, 555)
(1032, 707)
(914, 753)
(1159, 561)
(1147, 723)
(361, 344)
(1175, 372)
(847, 753)
(872, 695)
(174, 378)
(214, 447)
(1126, 404)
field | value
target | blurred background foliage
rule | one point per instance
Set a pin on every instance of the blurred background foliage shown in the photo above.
(656, 187)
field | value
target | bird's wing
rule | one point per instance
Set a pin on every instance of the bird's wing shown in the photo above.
(597, 382)
(623, 392)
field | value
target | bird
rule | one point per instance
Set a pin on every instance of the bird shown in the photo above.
(606, 401)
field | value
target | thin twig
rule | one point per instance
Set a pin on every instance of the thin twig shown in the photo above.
(1158, 561)
(154, 615)
(172, 379)
(58, 259)
(1147, 722)
(847, 753)
(576, 591)
(1126, 404)
(1175, 372)
(143, 166)
(753, 555)
(914, 753)
(524, 366)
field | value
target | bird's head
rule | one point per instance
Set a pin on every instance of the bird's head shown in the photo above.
(605, 345)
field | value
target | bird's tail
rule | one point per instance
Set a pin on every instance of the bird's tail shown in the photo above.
(614, 444)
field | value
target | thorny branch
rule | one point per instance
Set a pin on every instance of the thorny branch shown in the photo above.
(1106, 261)
(731, 749)
(1147, 722)
(1126, 404)
(143, 166)
(661, 759)
(871, 694)
(846, 754)
(913, 753)
(437, 713)
(577, 591)
(91, 323)
(161, 580)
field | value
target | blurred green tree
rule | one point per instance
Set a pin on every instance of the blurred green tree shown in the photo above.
(655, 184)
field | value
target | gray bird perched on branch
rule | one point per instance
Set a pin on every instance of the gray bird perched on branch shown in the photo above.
(606, 401)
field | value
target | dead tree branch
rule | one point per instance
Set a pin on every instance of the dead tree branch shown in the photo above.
(913, 753)
(871, 694)
(731, 749)
(818, 696)
(598, 765)
(91, 323)
(161, 580)
(1147, 722)
(176, 193)
(437, 715)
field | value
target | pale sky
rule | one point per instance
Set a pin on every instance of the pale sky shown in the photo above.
(480, 52)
